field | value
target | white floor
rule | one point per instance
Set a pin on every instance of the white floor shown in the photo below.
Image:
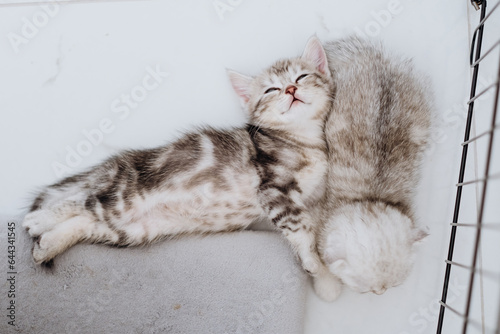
(66, 70)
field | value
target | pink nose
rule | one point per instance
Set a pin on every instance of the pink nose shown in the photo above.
(291, 90)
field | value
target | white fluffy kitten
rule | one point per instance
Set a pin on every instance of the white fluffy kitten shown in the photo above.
(376, 133)
(371, 247)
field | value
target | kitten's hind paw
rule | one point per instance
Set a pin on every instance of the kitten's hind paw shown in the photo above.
(42, 254)
(38, 222)
(327, 286)
(60, 238)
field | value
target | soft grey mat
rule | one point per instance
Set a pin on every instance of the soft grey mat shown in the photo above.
(242, 282)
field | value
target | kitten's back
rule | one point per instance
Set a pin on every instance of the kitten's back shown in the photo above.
(378, 126)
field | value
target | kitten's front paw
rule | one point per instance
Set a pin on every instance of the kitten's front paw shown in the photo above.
(311, 265)
(327, 286)
(39, 222)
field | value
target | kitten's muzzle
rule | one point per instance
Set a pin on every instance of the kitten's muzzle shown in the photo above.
(291, 90)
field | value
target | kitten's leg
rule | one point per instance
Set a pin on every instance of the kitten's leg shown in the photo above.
(45, 219)
(59, 220)
(61, 237)
(53, 205)
(304, 244)
(66, 234)
(38, 222)
(326, 285)
(297, 226)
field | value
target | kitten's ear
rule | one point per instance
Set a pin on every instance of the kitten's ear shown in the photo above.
(419, 236)
(333, 254)
(315, 53)
(335, 248)
(241, 85)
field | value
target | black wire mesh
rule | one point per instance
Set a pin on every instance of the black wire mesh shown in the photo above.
(480, 227)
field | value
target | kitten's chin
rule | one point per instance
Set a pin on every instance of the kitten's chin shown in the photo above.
(304, 110)
(296, 102)
(297, 107)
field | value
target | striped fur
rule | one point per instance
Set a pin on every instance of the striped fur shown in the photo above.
(209, 180)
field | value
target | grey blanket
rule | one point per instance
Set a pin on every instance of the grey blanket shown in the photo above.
(242, 282)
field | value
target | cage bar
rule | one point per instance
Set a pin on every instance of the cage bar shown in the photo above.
(492, 226)
(483, 200)
(476, 47)
(481, 135)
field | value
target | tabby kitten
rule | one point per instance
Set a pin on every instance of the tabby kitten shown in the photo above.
(208, 180)
(376, 133)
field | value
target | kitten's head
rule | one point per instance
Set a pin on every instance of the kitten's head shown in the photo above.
(370, 246)
(289, 93)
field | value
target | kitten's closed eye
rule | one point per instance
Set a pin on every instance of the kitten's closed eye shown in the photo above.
(301, 77)
(272, 89)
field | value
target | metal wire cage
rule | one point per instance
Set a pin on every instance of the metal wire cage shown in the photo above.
(476, 227)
